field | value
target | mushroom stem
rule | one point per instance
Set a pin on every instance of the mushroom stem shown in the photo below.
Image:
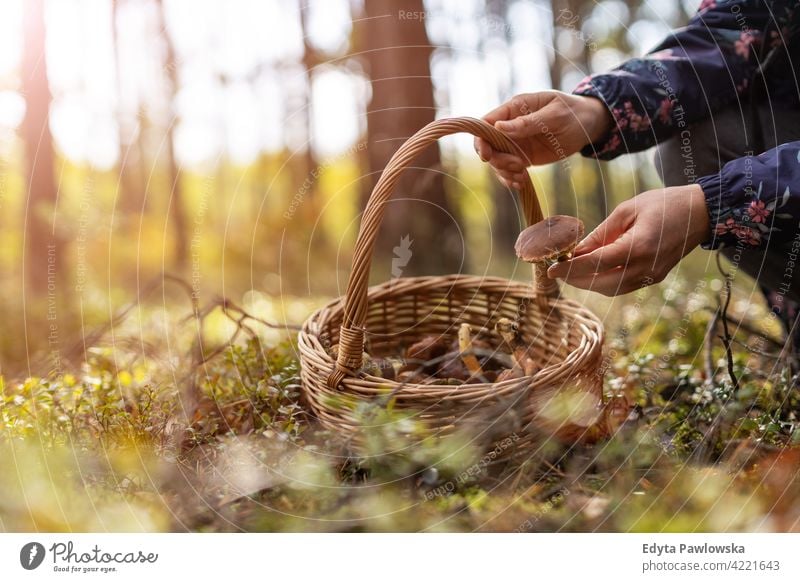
(465, 348)
(505, 328)
(520, 352)
(542, 284)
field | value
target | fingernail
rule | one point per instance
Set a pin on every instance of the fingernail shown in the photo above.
(552, 272)
(515, 185)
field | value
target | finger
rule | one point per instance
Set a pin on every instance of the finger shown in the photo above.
(615, 282)
(505, 182)
(513, 178)
(603, 259)
(530, 124)
(619, 221)
(483, 149)
(508, 162)
(519, 105)
(500, 113)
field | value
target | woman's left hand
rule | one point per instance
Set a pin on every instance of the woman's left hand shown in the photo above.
(639, 243)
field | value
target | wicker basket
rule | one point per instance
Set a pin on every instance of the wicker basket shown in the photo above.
(388, 317)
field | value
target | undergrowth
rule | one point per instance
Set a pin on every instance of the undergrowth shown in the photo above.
(218, 438)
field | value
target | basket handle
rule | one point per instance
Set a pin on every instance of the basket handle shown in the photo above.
(351, 334)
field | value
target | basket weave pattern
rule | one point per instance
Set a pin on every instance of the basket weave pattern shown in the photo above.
(384, 319)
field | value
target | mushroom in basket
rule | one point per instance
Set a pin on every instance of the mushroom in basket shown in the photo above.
(524, 361)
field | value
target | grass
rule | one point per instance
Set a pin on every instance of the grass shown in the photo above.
(153, 433)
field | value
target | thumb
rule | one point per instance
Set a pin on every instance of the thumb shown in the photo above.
(608, 231)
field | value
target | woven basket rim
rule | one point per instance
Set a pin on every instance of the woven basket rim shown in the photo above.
(382, 385)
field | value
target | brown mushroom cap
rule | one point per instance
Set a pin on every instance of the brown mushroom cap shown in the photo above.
(549, 238)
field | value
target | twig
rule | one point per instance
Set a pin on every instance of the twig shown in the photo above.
(743, 325)
(94, 336)
(708, 347)
(705, 449)
(756, 351)
(227, 305)
(726, 337)
(552, 468)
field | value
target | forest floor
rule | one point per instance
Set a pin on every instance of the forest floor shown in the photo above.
(157, 431)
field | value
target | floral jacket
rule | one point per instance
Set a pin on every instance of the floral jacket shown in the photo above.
(699, 69)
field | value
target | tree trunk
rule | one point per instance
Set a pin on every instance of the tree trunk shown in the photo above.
(310, 60)
(397, 57)
(601, 181)
(177, 209)
(507, 221)
(131, 199)
(564, 202)
(41, 247)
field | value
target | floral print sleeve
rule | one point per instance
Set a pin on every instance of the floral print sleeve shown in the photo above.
(755, 201)
(695, 71)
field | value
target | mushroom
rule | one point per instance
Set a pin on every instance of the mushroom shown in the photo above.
(466, 350)
(520, 352)
(453, 367)
(426, 354)
(552, 239)
(615, 413)
(384, 367)
(370, 367)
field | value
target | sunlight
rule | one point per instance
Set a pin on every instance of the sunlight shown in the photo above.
(10, 36)
(336, 111)
(215, 114)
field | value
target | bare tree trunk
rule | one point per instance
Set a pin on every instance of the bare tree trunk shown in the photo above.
(310, 60)
(601, 180)
(176, 205)
(397, 56)
(41, 247)
(130, 171)
(507, 221)
(564, 202)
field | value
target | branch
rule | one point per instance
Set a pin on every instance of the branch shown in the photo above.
(708, 347)
(723, 312)
(743, 325)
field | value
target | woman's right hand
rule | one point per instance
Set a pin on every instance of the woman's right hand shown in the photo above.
(547, 126)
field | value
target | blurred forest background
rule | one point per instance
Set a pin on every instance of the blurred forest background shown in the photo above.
(177, 174)
(233, 143)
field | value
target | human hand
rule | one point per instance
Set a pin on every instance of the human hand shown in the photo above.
(639, 243)
(547, 126)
